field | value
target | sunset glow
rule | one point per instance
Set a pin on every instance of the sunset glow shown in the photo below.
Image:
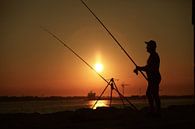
(34, 63)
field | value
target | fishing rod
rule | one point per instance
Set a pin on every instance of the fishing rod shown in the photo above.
(108, 83)
(112, 37)
(63, 43)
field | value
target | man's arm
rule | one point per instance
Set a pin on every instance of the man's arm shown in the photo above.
(140, 68)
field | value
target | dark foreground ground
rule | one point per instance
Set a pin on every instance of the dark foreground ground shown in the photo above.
(173, 117)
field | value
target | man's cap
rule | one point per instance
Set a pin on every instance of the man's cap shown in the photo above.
(151, 43)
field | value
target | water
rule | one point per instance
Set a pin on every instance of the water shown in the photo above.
(49, 106)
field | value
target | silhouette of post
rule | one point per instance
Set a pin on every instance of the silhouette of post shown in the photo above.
(193, 13)
(123, 85)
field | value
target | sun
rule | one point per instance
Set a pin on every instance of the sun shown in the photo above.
(99, 67)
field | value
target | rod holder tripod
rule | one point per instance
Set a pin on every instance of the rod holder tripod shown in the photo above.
(113, 86)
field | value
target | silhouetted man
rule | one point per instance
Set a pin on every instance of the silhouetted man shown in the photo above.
(153, 76)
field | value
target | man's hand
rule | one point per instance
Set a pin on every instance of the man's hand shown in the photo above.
(135, 71)
(138, 68)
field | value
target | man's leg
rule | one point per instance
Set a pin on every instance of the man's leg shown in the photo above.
(150, 98)
(157, 98)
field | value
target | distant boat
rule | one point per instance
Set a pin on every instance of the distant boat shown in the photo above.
(91, 95)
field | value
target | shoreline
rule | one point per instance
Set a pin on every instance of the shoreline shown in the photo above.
(40, 98)
(175, 116)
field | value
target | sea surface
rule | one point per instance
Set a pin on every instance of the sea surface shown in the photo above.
(50, 106)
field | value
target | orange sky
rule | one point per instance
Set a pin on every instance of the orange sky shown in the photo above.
(34, 63)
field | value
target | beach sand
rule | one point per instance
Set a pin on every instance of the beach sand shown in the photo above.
(172, 117)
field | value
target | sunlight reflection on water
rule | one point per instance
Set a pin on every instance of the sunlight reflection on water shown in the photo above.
(100, 103)
(49, 106)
